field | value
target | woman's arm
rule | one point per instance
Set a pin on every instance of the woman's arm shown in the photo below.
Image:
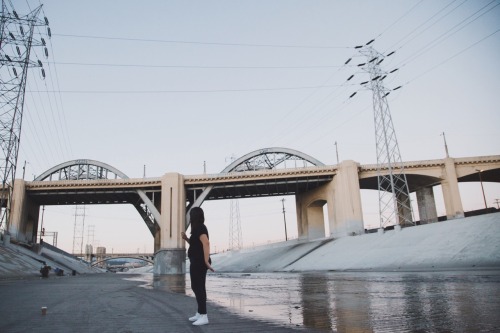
(206, 250)
(183, 235)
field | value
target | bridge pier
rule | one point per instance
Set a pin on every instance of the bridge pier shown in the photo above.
(451, 193)
(426, 205)
(343, 199)
(23, 224)
(170, 258)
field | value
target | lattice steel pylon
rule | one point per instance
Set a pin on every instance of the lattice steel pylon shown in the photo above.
(78, 230)
(235, 238)
(393, 191)
(16, 43)
(235, 242)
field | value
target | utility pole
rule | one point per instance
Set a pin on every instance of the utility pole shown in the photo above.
(337, 151)
(284, 218)
(482, 187)
(42, 231)
(16, 43)
(497, 201)
(445, 145)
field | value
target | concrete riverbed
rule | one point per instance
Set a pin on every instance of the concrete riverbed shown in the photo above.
(111, 303)
(447, 301)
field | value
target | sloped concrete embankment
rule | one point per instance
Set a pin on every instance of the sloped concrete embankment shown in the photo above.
(18, 262)
(467, 243)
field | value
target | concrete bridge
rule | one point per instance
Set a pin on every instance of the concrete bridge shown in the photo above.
(164, 202)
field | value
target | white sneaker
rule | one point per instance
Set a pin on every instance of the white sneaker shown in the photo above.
(203, 320)
(195, 317)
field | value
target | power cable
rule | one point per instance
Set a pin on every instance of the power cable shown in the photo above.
(192, 66)
(458, 27)
(394, 46)
(201, 43)
(452, 57)
(399, 19)
(188, 91)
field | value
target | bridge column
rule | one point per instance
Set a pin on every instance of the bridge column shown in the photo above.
(24, 214)
(347, 201)
(451, 193)
(343, 198)
(171, 257)
(426, 205)
(404, 212)
(310, 217)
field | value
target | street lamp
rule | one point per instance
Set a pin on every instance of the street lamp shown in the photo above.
(482, 187)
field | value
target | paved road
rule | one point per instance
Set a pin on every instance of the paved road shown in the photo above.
(109, 303)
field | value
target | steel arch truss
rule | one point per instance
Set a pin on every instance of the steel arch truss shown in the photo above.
(81, 170)
(271, 158)
(268, 158)
(92, 170)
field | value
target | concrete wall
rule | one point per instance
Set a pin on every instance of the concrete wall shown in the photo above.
(24, 216)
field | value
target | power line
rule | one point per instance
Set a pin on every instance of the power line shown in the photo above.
(189, 91)
(202, 43)
(452, 57)
(194, 66)
(457, 27)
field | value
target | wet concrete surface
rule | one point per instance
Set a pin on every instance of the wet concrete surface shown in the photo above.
(111, 303)
(464, 301)
(258, 302)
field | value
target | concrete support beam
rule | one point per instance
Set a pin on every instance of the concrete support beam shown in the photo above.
(426, 205)
(171, 257)
(404, 212)
(343, 199)
(451, 192)
(310, 217)
(348, 214)
(24, 215)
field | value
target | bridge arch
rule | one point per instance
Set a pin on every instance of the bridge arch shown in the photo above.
(266, 158)
(97, 262)
(86, 169)
(82, 169)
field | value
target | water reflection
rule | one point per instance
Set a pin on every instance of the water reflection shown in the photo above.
(173, 283)
(365, 302)
(316, 310)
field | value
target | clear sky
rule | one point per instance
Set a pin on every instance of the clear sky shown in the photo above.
(171, 84)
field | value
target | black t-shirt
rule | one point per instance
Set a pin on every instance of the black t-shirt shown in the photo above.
(195, 251)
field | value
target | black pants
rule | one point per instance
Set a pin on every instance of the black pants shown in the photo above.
(198, 274)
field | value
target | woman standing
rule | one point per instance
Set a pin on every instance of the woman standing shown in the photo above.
(199, 257)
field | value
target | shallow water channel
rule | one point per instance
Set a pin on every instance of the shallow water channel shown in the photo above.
(466, 301)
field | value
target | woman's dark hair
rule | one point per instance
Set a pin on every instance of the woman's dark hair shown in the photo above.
(197, 216)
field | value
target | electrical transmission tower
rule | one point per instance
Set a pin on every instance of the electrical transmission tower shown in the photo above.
(78, 229)
(235, 242)
(393, 191)
(17, 43)
(235, 239)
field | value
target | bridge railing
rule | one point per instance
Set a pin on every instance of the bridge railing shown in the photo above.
(238, 174)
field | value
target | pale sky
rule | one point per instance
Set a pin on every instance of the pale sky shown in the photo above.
(171, 84)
